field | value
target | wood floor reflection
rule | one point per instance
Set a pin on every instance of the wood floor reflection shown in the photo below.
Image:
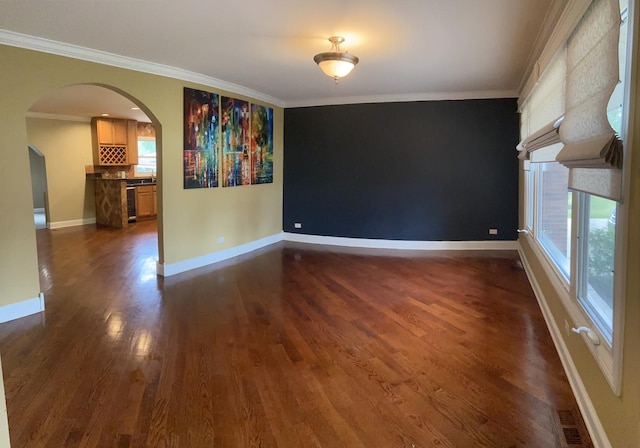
(291, 346)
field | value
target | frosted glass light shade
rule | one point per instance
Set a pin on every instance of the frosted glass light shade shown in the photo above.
(334, 64)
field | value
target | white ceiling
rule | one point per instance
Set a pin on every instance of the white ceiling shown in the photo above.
(86, 101)
(419, 49)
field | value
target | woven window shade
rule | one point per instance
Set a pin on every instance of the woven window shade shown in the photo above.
(541, 113)
(546, 136)
(590, 142)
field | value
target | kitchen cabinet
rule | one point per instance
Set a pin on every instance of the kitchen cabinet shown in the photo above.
(155, 201)
(132, 142)
(115, 141)
(111, 132)
(146, 201)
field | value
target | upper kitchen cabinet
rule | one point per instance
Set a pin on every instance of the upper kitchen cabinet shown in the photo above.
(132, 138)
(115, 141)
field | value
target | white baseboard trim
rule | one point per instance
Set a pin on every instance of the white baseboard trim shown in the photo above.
(594, 426)
(72, 223)
(400, 244)
(38, 210)
(167, 270)
(21, 309)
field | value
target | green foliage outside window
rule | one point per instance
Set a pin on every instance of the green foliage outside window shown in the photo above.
(601, 255)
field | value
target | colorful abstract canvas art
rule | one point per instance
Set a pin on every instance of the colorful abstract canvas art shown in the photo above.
(261, 144)
(236, 159)
(201, 138)
(243, 131)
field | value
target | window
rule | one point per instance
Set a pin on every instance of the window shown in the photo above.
(146, 157)
(597, 225)
(529, 185)
(579, 237)
(554, 214)
(596, 252)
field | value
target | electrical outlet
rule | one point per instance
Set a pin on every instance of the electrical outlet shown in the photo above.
(220, 239)
(493, 231)
(297, 225)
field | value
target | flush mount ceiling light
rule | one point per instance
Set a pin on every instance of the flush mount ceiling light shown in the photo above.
(334, 63)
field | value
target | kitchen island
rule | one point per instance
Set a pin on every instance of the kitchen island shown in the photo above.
(111, 202)
(120, 201)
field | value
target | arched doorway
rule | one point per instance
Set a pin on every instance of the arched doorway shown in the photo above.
(59, 125)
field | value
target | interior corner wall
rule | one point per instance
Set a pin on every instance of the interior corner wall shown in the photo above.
(66, 146)
(419, 171)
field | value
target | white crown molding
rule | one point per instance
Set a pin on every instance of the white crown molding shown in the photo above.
(549, 23)
(20, 40)
(47, 116)
(562, 29)
(404, 98)
(14, 39)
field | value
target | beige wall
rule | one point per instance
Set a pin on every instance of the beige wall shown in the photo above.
(620, 416)
(66, 146)
(190, 220)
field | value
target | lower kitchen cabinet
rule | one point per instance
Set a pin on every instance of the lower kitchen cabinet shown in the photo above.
(145, 201)
(155, 201)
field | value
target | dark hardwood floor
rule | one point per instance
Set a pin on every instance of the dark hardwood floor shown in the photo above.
(290, 346)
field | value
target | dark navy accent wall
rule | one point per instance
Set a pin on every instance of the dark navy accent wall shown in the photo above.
(425, 171)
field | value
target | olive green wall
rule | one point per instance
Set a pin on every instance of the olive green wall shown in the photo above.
(66, 146)
(190, 221)
(620, 416)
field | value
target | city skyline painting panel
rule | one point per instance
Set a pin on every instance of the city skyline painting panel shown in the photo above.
(261, 144)
(201, 139)
(236, 158)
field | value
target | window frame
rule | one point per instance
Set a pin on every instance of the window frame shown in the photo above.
(529, 194)
(145, 174)
(582, 267)
(547, 251)
(608, 356)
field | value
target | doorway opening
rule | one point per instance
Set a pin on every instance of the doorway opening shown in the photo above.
(61, 130)
(37, 166)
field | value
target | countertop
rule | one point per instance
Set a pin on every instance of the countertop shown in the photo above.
(140, 181)
(131, 182)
